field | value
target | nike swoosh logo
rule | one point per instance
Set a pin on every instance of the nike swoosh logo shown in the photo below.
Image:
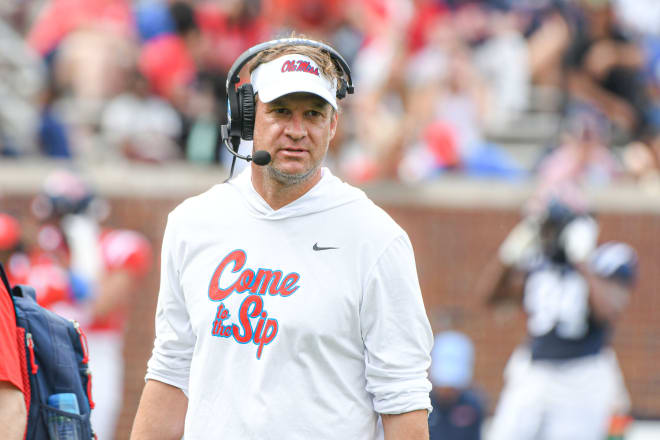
(316, 247)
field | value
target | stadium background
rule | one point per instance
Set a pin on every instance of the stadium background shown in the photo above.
(59, 82)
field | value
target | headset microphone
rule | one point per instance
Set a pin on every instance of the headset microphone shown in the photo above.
(260, 157)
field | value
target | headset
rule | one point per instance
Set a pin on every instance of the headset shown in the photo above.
(241, 103)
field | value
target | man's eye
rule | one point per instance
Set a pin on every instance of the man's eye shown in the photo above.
(281, 111)
(314, 113)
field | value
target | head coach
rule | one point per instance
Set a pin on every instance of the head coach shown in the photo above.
(289, 304)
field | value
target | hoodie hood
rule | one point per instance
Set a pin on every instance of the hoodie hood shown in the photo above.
(330, 192)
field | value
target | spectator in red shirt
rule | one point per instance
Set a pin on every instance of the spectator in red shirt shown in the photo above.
(58, 18)
(13, 412)
(229, 28)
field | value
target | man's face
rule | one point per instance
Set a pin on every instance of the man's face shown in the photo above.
(296, 130)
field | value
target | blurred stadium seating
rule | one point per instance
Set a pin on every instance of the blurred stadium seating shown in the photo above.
(130, 93)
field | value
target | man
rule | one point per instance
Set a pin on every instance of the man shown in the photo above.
(458, 409)
(289, 304)
(564, 383)
(13, 412)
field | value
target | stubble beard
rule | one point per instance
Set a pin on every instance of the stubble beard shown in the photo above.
(287, 179)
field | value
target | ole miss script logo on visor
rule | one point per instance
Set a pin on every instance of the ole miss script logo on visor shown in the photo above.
(299, 66)
(251, 323)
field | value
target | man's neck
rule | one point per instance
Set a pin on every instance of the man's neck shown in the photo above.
(278, 194)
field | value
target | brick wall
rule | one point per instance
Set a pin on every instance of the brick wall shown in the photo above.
(452, 245)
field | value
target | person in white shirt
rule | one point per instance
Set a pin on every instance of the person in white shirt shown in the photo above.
(289, 305)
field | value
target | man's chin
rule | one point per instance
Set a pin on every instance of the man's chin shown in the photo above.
(290, 176)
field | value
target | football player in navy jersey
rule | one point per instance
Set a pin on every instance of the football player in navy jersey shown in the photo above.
(564, 381)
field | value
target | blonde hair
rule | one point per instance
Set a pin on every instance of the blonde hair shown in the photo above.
(329, 68)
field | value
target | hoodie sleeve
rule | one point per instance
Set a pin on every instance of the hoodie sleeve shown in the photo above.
(396, 333)
(175, 340)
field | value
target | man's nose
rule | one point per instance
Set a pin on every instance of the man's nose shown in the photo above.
(295, 127)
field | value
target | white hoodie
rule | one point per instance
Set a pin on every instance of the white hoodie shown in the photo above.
(299, 323)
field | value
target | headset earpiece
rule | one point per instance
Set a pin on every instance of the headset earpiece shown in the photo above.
(341, 88)
(233, 112)
(247, 106)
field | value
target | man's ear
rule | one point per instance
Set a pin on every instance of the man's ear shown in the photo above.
(333, 123)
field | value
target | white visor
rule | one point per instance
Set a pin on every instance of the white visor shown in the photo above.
(290, 74)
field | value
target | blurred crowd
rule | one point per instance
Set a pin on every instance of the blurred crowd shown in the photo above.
(144, 80)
